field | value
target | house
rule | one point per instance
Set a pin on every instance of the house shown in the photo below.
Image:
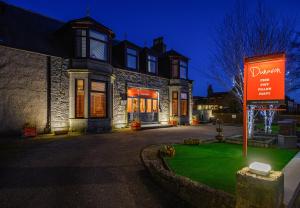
(76, 76)
(215, 104)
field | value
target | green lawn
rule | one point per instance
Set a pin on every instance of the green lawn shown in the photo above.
(216, 164)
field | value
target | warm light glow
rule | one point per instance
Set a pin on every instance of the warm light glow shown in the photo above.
(260, 168)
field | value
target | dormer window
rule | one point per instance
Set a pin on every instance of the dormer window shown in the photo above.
(175, 68)
(152, 64)
(132, 58)
(80, 50)
(183, 70)
(96, 42)
(98, 45)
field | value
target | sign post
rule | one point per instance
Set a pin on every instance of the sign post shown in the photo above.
(264, 80)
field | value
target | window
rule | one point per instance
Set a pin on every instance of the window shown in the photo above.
(155, 106)
(79, 102)
(175, 68)
(149, 105)
(98, 45)
(98, 100)
(142, 105)
(152, 64)
(183, 70)
(184, 104)
(132, 58)
(174, 103)
(80, 49)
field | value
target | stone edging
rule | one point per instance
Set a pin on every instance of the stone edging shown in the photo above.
(196, 194)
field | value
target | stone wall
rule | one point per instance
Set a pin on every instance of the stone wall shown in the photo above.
(59, 94)
(24, 95)
(196, 194)
(23, 90)
(125, 79)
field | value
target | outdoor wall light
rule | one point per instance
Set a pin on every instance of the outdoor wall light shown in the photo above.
(260, 168)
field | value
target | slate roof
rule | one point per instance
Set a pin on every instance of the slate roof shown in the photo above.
(27, 30)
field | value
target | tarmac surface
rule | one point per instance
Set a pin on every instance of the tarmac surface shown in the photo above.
(100, 170)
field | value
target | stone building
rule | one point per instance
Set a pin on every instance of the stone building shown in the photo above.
(75, 76)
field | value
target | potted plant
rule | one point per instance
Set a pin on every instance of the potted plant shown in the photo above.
(29, 130)
(136, 124)
(173, 120)
(195, 121)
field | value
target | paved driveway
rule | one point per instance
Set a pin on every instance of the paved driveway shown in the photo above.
(101, 170)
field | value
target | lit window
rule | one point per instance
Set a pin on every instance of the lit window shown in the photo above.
(183, 70)
(132, 58)
(155, 106)
(142, 105)
(98, 99)
(175, 68)
(149, 105)
(174, 103)
(152, 64)
(129, 105)
(79, 103)
(98, 45)
(184, 104)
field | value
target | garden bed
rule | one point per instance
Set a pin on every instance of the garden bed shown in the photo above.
(216, 164)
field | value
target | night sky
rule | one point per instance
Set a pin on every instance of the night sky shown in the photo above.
(187, 26)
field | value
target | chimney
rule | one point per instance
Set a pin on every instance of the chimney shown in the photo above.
(158, 45)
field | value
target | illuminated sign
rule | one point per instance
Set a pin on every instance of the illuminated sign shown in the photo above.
(145, 93)
(264, 79)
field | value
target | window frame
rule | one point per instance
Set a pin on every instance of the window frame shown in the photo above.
(175, 99)
(76, 103)
(132, 55)
(149, 60)
(95, 39)
(184, 67)
(175, 76)
(187, 103)
(106, 98)
(79, 47)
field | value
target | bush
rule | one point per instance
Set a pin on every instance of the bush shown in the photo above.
(167, 151)
(191, 141)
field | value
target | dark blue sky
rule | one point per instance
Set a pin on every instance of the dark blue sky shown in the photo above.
(187, 26)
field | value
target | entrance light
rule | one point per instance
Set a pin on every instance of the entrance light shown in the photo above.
(260, 168)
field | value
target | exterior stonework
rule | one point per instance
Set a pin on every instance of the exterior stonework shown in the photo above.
(75, 76)
(23, 90)
(59, 94)
(125, 79)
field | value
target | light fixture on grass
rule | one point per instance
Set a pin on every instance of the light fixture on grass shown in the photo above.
(260, 168)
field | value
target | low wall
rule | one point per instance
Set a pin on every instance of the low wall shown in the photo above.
(196, 194)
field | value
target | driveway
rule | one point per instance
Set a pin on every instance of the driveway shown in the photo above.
(102, 170)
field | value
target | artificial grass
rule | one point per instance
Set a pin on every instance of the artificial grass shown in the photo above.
(216, 164)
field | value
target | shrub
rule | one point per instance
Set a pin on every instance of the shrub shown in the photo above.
(167, 151)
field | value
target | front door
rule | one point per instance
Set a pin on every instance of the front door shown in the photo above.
(142, 104)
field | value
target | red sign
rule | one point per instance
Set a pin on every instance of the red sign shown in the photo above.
(264, 79)
(145, 93)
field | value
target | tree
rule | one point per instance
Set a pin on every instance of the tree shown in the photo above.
(244, 34)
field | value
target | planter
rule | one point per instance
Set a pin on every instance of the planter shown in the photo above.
(135, 125)
(195, 122)
(29, 132)
(173, 122)
(220, 138)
